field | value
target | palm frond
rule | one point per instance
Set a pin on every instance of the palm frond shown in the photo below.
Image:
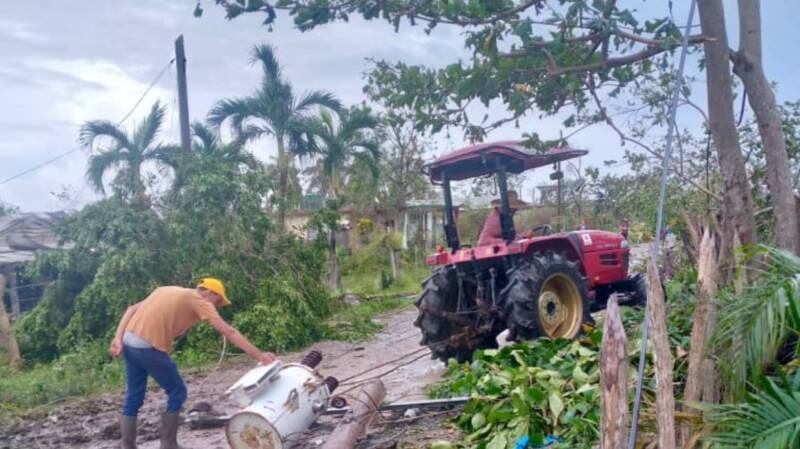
(99, 164)
(236, 110)
(769, 419)
(145, 131)
(265, 54)
(356, 121)
(318, 98)
(205, 135)
(754, 324)
(102, 128)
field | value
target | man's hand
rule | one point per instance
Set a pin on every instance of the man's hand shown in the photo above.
(265, 358)
(115, 349)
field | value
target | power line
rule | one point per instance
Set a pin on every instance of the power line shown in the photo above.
(124, 118)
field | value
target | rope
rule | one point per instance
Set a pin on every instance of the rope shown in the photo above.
(637, 403)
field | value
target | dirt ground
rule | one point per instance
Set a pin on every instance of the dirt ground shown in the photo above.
(92, 423)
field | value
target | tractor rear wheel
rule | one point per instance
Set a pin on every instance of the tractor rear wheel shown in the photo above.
(545, 297)
(446, 333)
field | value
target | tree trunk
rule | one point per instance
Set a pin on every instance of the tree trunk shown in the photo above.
(13, 293)
(738, 203)
(7, 337)
(614, 369)
(750, 69)
(700, 376)
(335, 277)
(283, 178)
(665, 399)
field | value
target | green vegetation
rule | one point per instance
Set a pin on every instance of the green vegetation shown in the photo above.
(354, 323)
(547, 387)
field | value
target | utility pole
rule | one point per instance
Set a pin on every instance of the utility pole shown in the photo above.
(183, 97)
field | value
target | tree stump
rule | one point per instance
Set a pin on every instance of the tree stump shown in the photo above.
(614, 368)
(665, 399)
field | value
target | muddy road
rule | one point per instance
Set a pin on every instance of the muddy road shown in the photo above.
(92, 423)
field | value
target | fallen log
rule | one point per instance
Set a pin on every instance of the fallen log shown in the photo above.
(354, 424)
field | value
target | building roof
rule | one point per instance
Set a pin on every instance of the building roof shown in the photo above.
(21, 235)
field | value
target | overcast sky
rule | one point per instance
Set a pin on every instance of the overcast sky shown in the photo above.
(63, 63)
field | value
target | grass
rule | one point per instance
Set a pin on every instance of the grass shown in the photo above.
(78, 374)
(369, 283)
(354, 323)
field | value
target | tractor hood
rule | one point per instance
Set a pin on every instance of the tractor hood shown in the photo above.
(479, 160)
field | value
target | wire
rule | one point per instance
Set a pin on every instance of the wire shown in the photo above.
(637, 403)
(124, 118)
(146, 91)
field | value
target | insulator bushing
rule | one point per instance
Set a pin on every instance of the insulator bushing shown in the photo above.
(338, 402)
(331, 383)
(312, 359)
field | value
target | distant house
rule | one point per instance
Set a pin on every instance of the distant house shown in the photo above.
(21, 236)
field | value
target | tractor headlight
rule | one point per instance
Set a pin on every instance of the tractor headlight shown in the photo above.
(624, 244)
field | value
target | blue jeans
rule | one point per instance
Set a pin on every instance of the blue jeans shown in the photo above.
(141, 362)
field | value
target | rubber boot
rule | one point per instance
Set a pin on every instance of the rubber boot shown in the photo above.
(169, 430)
(127, 430)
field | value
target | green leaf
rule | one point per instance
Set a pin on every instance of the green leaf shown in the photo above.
(499, 441)
(556, 404)
(478, 420)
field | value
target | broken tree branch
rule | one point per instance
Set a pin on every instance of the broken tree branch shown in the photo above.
(614, 368)
(665, 398)
(625, 138)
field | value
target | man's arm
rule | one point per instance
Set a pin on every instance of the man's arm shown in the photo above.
(116, 344)
(239, 340)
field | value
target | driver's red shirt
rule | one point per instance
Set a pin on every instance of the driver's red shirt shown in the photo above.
(492, 232)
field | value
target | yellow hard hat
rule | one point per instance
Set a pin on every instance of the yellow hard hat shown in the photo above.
(216, 286)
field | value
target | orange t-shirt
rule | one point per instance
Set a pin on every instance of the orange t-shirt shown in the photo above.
(168, 313)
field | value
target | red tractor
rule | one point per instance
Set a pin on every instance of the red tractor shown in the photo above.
(541, 285)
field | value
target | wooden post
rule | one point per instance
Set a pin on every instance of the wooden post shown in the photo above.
(665, 400)
(7, 338)
(614, 368)
(354, 424)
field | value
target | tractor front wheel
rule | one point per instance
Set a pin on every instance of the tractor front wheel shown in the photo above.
(448, 333)
(545, 297)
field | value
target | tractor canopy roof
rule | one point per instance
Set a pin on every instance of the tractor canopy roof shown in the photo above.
(480, 159)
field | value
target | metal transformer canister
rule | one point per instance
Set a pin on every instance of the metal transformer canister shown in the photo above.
(280, 402)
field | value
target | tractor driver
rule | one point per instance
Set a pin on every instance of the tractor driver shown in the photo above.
(492, 232)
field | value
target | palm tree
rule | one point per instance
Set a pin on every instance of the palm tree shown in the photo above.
(273, 110)
(339, 145)
(207, 143)
(126, 153)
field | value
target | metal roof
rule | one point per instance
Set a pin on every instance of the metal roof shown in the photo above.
(479, 160)
(21, 235)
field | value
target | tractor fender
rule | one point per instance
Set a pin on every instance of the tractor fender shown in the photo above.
(565, 244)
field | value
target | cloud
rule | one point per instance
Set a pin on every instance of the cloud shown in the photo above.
(22, 31)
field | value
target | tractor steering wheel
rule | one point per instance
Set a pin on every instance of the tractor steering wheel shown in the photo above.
(542, 229)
